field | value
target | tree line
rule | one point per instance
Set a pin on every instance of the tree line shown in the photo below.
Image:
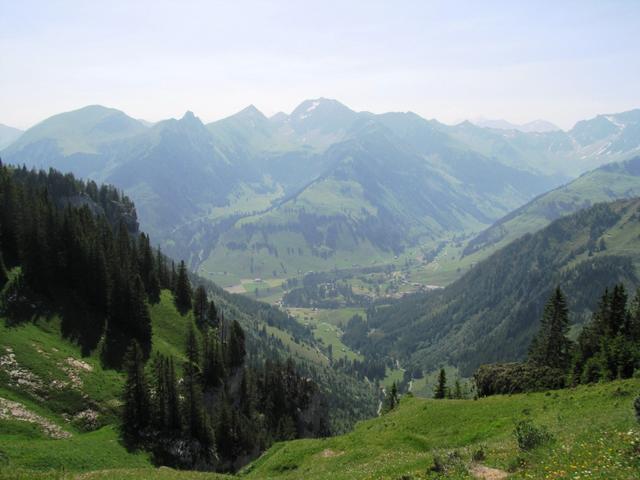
(78, 247)
(216, 410)
(607, 348)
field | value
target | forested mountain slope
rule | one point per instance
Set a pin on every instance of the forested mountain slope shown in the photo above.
(491, 313)
(83, 283)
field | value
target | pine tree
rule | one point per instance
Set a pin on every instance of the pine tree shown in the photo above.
(551, 347)
(200, 305)
(140, 317)
(3, 272)
(159, 404)
(632, 328)
(195, 424)
(390, 399)
(212, 315)
(136, 409)
(173, 419)
(213, 370)
(235, 347)
(618, 312)
(154, 288)
(441, 388)
(183, 289)
(457, 391)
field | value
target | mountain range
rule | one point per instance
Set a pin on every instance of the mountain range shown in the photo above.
(321, 188)
(539, 126)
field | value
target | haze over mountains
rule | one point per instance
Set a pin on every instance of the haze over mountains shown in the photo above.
(8, 135)
(539, 126)
(321, 188)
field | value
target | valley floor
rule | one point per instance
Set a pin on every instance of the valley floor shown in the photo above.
(595, 435)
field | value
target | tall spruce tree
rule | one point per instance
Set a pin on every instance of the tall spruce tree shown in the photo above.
(235, 346)
(632, 328)
(173, 419)
(390, 399)
(195, 421)
(136, 408)
(551, 347)
(212, 315)
(3, 272)
(183, 289)
(441, 387)
(200, 305)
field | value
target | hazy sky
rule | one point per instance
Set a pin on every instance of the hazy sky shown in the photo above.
(561, 61)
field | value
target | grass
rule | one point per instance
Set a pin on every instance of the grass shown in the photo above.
(42, 356)
(593, 427)
(88, 451)
(326, 327)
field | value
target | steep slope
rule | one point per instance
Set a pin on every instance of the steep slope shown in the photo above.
(8, 135)
(175, 174)
(491, 313)
(406, 442)
(610, 182)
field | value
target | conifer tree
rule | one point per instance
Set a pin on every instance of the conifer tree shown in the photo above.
(195, 424)
(551, 346)
(632, 327)
(212, 315)
(140, 317)
(457, 391)
(235, 347)
(213, 370)
(200, 305)
(183, 289)
(441, 387)
(3, 272)
(136, 408)
(391, 399)
(159, 403)
(173, 419)
(154, 287)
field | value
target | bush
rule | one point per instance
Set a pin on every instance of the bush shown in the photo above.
(479, 454)
(438, 464)
(507, 378)
(530, 436)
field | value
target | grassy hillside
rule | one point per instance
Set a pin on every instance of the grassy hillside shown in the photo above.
(67, 396)
(63, 394)
(611, 182)
(403, 443)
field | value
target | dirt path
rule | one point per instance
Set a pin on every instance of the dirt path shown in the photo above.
(487, 473)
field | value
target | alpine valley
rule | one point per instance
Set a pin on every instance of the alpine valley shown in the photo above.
(321, 294)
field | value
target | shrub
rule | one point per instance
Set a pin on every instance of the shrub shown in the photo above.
(507, 378)
(529, 436)
(479, 454)
(438, 464)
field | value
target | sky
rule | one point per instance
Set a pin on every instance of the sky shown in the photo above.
(561, 61)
